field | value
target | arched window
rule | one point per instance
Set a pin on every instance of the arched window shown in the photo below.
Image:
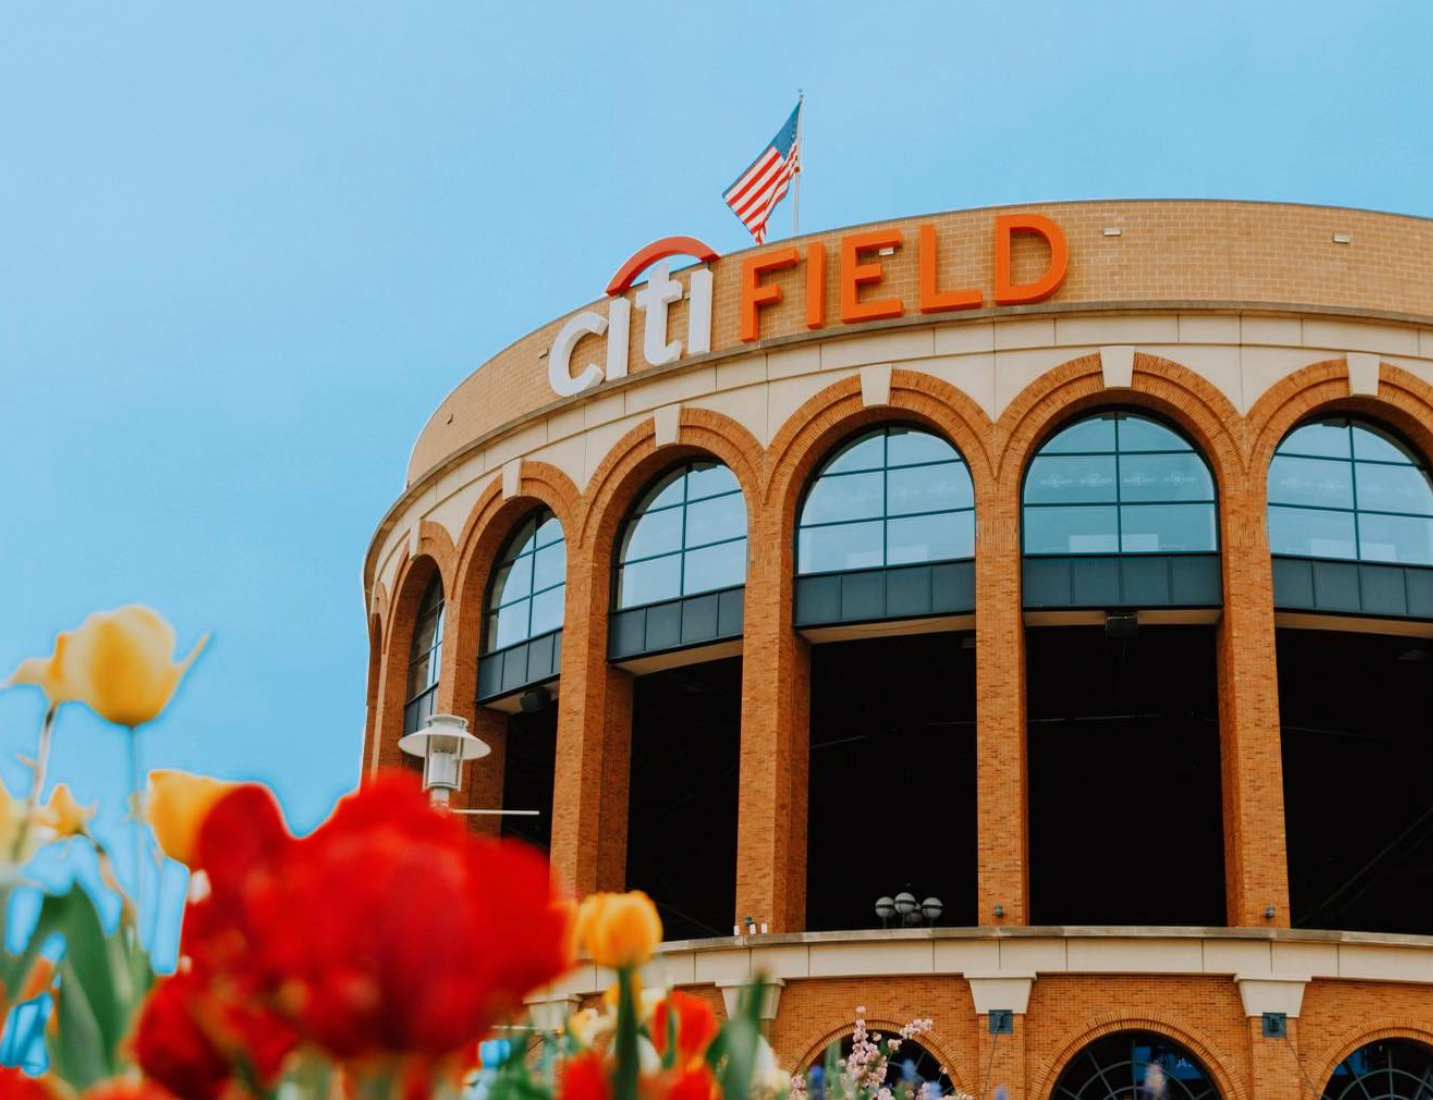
(1130, 1064)
(1389, 1069)
(1119, 483)
(686, 535)
(893, 496)
(425, 659)
(1342, 488)
(525, 596)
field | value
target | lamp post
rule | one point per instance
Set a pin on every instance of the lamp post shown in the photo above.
(911, 912)
(445, 746)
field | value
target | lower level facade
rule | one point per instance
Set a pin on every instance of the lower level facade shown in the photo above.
(1019, 618)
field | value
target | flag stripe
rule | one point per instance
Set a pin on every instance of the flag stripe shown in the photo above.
(754, 194)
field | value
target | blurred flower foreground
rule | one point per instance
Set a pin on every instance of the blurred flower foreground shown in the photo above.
(386, 954)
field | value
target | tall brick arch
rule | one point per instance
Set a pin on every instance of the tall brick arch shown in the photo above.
(1045, 1073)
(1404, 402)
(489, 525)
(410, 582)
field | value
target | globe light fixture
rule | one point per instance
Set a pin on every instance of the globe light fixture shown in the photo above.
(910, 912)
(445, 746)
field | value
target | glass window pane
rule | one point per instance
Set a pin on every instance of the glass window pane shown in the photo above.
(1097, 433)
(1167, 528)
(514, 581)
(1071, 530)
(850, 496)
(649, 581)
(866, 453)
(1165, 477)
(511, 624)
(905, 447)
(930, 538)
(425, 634)
(549, 565)
(418, 674)
(1369, 442)
(547, 610)
(716, 519)
(709, 480)
(1393, 489)
(1138, 434)
(1311, 533)
(653, 533)
(928, 489)
(845, 546)
(1314, 481)
(1069, 478)
(521, 541)
(1327, 439)
(664, 494)
(549, 532)
(714, 567)
(1405, 539)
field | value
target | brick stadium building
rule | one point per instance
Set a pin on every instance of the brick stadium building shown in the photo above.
(1072, 565)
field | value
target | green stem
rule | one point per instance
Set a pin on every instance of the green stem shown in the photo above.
(626, 1038)
(42, 761)
(137, 811)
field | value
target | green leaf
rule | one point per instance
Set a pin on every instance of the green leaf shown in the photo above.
(80, 1055)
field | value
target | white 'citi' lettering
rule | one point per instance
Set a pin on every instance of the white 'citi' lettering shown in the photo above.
(654, 299)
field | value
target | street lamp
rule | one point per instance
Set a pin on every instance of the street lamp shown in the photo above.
(910, 911)
(445, 746)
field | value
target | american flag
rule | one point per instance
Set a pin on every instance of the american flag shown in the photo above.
(756, 191)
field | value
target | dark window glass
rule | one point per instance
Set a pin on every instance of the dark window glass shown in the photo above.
(1339, 488)
(1389, 1069)
(687, 535)
(1135, 1064)
(893, 496)
(526, 594)
(1118, 482)
(425, 658)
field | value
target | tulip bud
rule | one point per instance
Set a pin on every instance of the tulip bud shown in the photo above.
(48, 673)
(619, 930)
(122, 664)
(175, 807)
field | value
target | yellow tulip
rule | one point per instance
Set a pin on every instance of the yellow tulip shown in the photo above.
(122, 664)
(176, 806)
(48, 673)
(619, 930)
(62, 815)
(13, 825)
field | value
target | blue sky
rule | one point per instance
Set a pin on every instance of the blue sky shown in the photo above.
(246, 249)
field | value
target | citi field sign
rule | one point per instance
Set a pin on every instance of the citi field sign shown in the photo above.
(859, 270)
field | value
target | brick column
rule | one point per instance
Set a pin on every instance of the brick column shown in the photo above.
(1274, 1069)
(483, 786)
(1255, 853)
(594, 740)
(775, 741)
(1000, 1060)
(1002, 830)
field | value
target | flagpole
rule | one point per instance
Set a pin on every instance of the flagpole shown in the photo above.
(796, 184)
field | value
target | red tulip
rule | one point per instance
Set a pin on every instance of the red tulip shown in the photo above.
(389, 929)
(192, 1037)
(696, 1026)
(584, 1077)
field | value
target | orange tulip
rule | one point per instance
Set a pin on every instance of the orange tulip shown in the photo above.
(63, 815)
(175, 807)
(618, 930)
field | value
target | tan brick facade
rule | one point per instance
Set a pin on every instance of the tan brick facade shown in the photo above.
(1287, 308)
